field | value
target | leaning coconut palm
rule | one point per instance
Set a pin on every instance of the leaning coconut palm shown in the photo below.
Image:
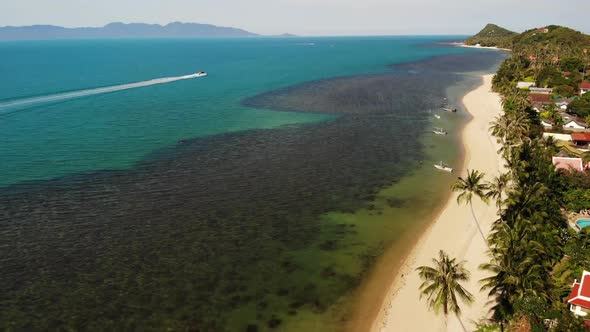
(472, 185)
(515, 102)
(519, 127)
(500, 128)
(516, 268)
(441, 285)
(497, 187)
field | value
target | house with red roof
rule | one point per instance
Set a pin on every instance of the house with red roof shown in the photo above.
(579, 299)
(584, 87)
(540, 98)
(581, 139)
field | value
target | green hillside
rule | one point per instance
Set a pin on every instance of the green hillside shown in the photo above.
(553, 40)
(492, 35)
(552, 56)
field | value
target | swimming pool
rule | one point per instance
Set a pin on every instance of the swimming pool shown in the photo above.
(583, 223)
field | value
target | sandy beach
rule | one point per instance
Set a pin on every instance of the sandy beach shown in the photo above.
(454, 231)
(480, 47)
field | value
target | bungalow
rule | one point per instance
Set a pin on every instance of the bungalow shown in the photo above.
(525, 85)
(568, 163)
(542, 30)
(555, 59)
(541, 90)
(558, 137)
(579, 299)
(532, 58)
(584, 87)
(581, 139)
(562, 103)
(575, 124)
(540, 98)
(546, 123)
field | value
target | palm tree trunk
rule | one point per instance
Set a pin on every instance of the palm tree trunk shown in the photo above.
(477, 223)
(461, 322)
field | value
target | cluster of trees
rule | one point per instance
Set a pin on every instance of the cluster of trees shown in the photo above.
(534, 256)
(580, 106)
(559, 58)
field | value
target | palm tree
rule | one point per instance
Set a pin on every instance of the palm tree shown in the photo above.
(516, 268)
(497, 187)
(519, 126)
(471, 186)
(500, 128)
(441, 285)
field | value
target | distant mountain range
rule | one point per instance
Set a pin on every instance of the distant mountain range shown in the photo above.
(122, 30)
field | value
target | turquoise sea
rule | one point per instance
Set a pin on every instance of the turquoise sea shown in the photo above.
(114, 131)
(258, 198)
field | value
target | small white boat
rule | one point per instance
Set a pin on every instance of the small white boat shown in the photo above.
(437, 116)
(443, 167)
(453, 110)
(439, 131)
(200, 74)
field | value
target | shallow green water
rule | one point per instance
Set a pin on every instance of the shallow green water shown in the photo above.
(195, 212)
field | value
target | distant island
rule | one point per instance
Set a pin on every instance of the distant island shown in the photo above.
(122, 30)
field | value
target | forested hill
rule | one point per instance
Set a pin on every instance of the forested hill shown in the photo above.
(553, 39)
(492, 35)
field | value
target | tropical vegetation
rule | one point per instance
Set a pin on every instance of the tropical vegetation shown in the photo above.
(492, 35)
(534, 255)
(441, 285)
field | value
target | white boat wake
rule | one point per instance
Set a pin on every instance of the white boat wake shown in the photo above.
(25, 102)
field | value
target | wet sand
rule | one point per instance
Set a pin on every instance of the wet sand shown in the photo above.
(454, 231)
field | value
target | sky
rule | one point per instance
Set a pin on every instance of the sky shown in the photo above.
(308, 17)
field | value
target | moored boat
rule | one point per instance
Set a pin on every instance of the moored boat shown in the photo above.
(448, 109)
(443, 167)
(437, 116)
(439, 131)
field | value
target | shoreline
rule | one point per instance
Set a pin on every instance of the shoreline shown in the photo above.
(453, 231)
(481, 47)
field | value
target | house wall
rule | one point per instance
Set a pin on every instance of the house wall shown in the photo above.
(579, 311)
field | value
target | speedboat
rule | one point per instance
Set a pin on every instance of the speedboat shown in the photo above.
(443, 167)
(439, 131)
(450, 109)
(200, 74)
(437, 116)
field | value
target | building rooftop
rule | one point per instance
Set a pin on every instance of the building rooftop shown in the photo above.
(580, 294)
(568, 163)
(585, 85)
(581, 137)
(539, 97)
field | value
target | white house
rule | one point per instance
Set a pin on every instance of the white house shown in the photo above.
(579, 299)
(558, 137)
(574, 124)
(541, 90)
(525, 85)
